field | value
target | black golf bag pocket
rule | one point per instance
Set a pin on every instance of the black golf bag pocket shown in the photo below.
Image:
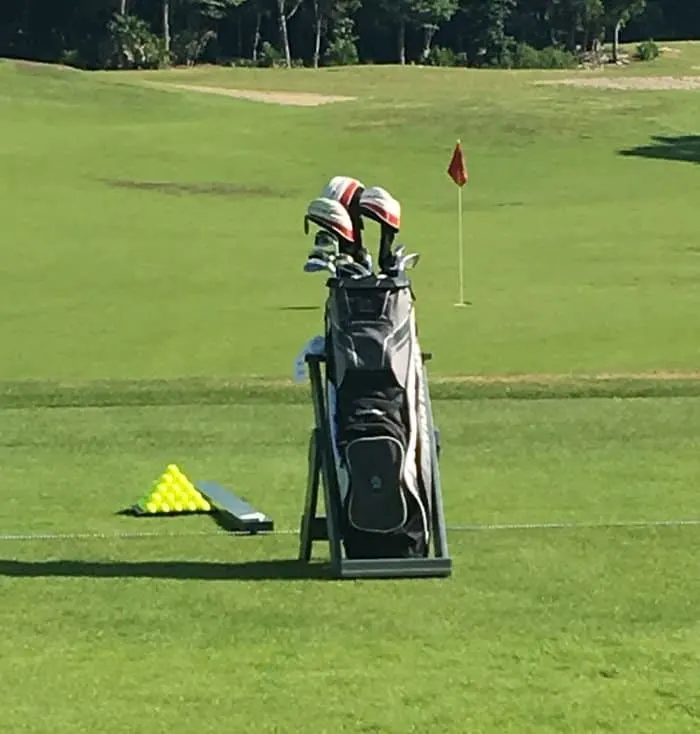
(376, 502)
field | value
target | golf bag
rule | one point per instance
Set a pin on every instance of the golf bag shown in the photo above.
(378, 417)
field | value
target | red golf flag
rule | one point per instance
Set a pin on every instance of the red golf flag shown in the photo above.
(457, 169)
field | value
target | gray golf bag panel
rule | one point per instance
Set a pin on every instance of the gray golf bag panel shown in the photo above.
(381, 445)
(370, 326)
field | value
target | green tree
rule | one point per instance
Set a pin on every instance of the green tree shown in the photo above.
(335, 13)
(591, 14)
(398, 13)
(618, 13)
(429, 15)
(486, 26)
(286, 10)
(425, 14)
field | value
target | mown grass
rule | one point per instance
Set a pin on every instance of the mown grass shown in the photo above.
(151, 263)
(578, 259)
(587, 629)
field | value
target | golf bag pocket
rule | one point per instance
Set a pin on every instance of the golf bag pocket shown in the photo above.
(376, 501)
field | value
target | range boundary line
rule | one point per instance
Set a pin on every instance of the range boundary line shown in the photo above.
(622, 524)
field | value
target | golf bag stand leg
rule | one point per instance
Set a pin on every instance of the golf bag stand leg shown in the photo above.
(321, 471)
(439, 529)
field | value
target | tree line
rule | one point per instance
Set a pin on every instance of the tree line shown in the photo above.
(480, 33)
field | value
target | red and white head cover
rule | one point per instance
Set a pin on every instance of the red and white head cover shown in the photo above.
(378, 204)
(330, 215)
(342, 189)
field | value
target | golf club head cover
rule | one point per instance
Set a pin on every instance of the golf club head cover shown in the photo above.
(347, 191)
(332, 216)
(380, 206)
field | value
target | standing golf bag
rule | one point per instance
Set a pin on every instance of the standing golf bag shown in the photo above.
(378, 417)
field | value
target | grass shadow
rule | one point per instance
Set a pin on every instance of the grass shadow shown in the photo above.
(285, 569)
(670, 148)
(211, 188)
(297, 308)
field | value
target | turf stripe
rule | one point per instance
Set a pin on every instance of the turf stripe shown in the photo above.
(203, 391)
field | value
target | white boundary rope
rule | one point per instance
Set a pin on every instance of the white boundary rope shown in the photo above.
(579, 525)
(643, 524)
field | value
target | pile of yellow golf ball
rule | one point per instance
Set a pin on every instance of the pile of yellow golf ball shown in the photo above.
(174, 492)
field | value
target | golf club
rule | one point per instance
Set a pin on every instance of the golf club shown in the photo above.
(317, 264)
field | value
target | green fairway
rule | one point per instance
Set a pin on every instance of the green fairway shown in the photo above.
(538, 630)
(578, 259)
(152, 304)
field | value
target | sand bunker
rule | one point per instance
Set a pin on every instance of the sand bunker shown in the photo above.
(296, 99)
(652, 83)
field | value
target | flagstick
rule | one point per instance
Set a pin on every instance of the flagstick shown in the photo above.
(457, 171)
(460, 240)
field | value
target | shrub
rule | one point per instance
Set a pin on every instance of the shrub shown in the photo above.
(189, 46)
(648, 50)
(556, 58)
(341, 52)
(342, 49)
(524, 56)
(70, 57)
(132, 45)
(270, 56)
(242, 63)
(441, 56)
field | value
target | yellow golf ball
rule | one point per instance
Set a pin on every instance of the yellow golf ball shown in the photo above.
(192, 506)
(152, 507)
(165, 507)
(177, 506)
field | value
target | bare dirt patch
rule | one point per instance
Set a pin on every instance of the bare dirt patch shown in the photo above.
(294, 99)
(180, 188)
(649, 83)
